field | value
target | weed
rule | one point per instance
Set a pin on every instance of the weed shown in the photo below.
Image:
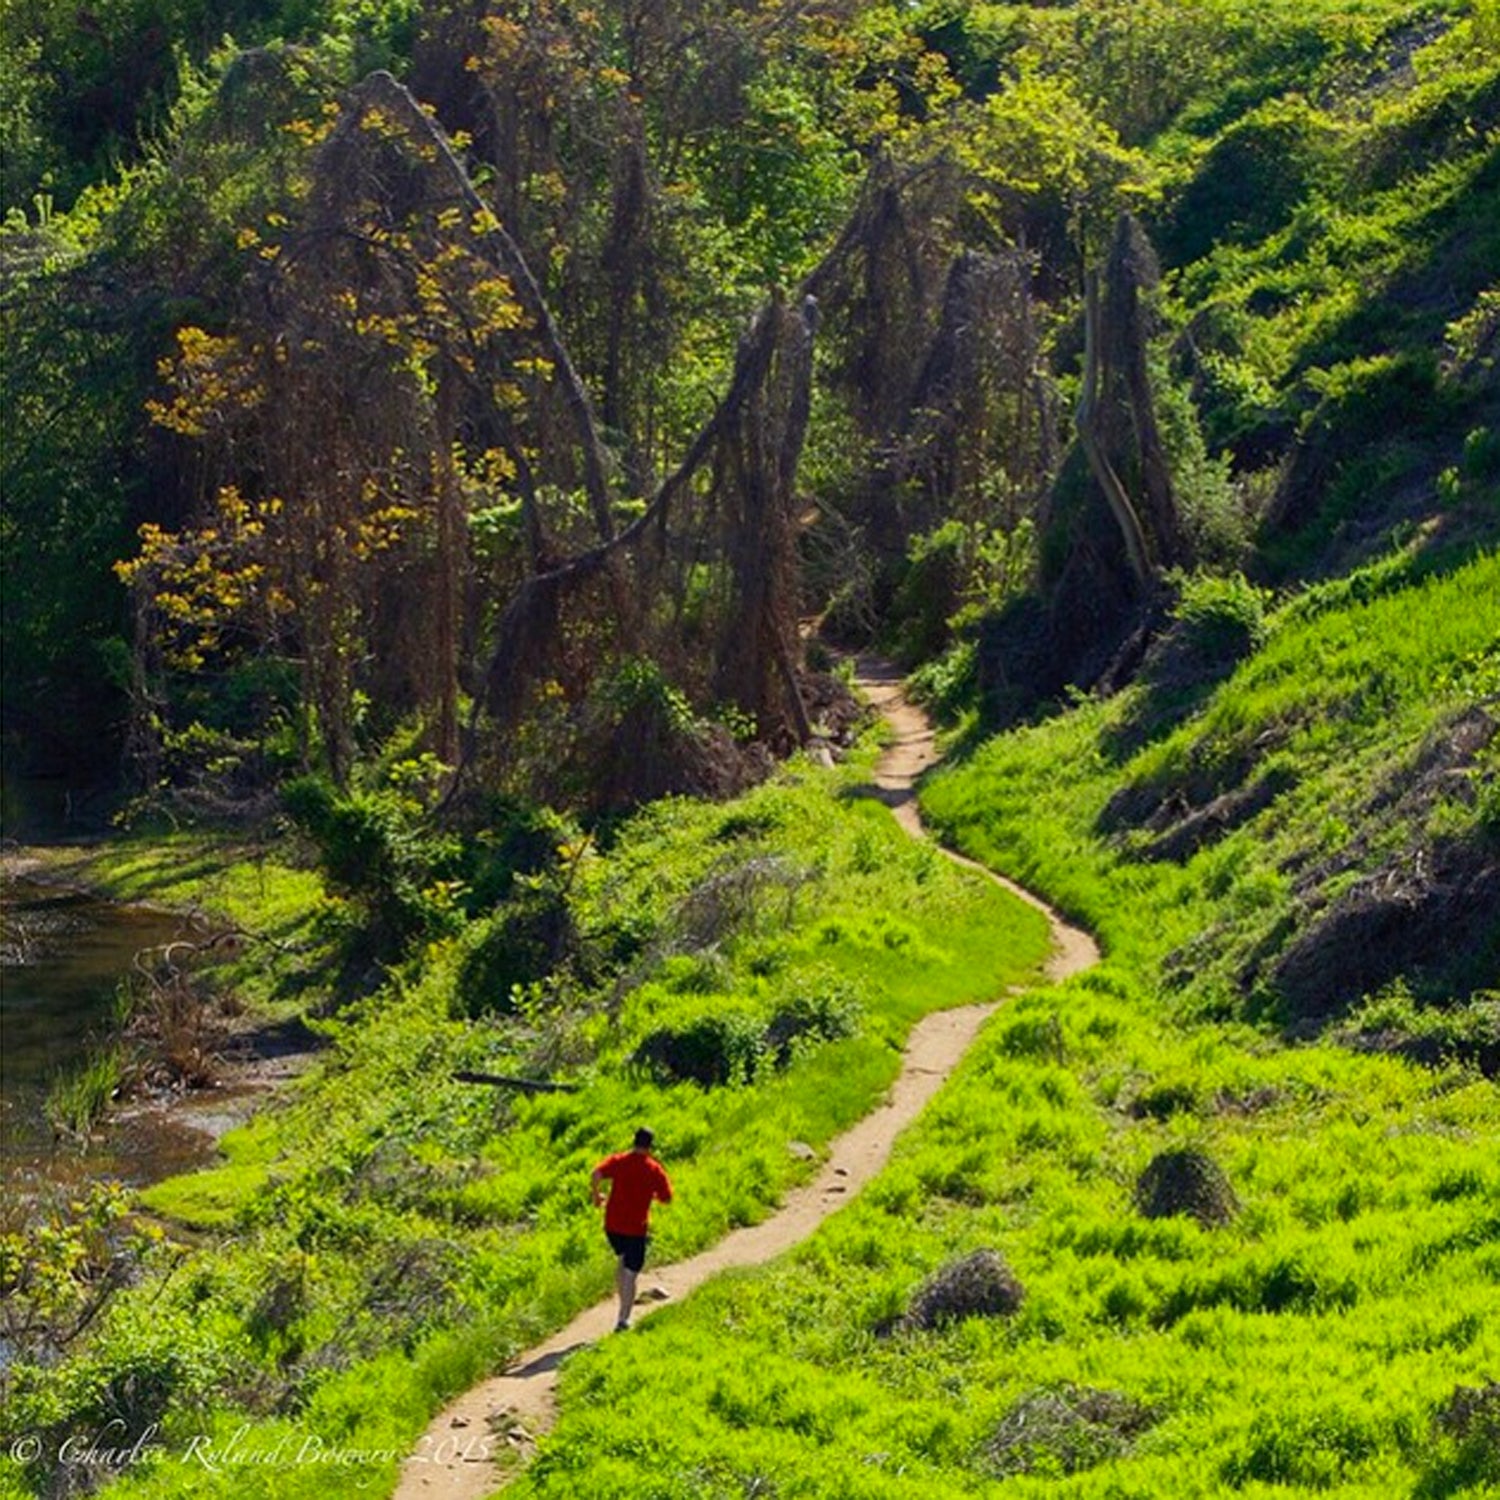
(977, 1285)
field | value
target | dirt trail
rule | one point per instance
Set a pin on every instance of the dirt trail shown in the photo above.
(470, 1449)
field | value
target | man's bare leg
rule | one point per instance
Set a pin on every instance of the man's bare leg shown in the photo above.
(625, 1287)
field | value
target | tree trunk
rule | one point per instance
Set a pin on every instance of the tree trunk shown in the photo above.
(1091, 435)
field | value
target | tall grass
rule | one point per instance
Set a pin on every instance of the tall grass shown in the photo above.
(1312, 1343)
(387, 1234)
(80, 1096)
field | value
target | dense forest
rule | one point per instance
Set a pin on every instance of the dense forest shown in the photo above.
(451, 453)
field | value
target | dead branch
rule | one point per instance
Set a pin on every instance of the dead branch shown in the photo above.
(1090, 434)
(524, 1085)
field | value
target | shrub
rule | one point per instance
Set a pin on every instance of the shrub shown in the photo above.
(1472, 1412)
(1064, 1430)
(1165, 1098)
(712, 1050)
(1220, 619)
(370, 848)
(1185, 1181)
(524, 941)
(822, 1016)
(1252, 179)
(977, 1285)
(1470, 1420)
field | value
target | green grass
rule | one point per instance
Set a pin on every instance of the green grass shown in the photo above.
(78, 1098)
(385, 1235)
(1308, 1345)
(1353, 680)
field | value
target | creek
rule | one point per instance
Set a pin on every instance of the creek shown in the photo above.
(63, 957)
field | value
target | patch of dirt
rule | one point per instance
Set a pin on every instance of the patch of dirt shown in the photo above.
(1424, 912)
(1207, 824)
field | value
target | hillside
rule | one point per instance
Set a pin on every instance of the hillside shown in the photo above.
(1321, 1316)
(450, 454)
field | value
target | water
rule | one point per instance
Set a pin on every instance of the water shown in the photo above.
(63, 956)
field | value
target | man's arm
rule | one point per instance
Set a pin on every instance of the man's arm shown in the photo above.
(594, 1182)
(663, 1187)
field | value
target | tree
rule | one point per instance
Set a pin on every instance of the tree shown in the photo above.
(1116, 420)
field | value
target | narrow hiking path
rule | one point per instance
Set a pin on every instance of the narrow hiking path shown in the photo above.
(473, 1446)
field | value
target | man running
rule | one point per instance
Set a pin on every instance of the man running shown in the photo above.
(636, 1180)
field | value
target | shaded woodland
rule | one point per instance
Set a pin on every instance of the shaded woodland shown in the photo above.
(464, 393)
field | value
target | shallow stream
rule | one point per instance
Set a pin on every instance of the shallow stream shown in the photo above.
(63, 956)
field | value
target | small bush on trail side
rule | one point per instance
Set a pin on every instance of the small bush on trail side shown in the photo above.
(731, 1046)
(805, 1020)
(977, 1285)
(712, 1050)
(1064, 1430)
(1164, 1098)
(1186, 1181)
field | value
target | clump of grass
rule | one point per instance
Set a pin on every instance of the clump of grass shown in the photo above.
(1065, 1430)
(1472, 1412)
(1186, 1181)
(977, 1285)
(79, 1097)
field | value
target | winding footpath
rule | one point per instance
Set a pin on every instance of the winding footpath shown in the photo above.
(472, 1447)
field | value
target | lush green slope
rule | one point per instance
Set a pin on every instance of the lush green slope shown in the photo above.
(1317, 1338)
(388, 1235)
(1284, 829)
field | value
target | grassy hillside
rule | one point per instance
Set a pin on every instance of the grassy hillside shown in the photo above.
(1317, 1337)
(388, 1235)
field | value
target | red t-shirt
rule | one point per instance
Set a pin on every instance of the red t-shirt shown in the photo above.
(636, 1178)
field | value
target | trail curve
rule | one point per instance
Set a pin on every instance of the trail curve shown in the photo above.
(472, 1447)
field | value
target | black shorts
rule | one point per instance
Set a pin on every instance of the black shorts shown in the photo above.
(631, 1248)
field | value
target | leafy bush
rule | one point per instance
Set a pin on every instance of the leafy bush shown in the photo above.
(823, 1015)
(1219, 619)
(371, 848)
(522, 943)
(726, 1047)
(1252, 179)
(1468, 1422)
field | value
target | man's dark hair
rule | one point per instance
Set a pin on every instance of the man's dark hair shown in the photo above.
(644, 1139)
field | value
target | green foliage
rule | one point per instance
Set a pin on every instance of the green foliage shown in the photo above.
(1252, 179)
(386, 1234)
(1309, 1342)
(78, 1099)
(528, 937)
(1221, 619)
(371, 847)
(725, 1046)
(1323, 180)
(955, 575)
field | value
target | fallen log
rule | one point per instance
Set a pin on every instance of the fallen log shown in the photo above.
(525, 1085)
